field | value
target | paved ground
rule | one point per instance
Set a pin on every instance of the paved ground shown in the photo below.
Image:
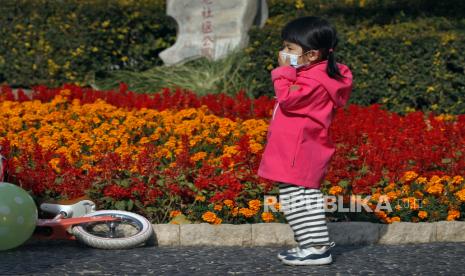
(70, 258)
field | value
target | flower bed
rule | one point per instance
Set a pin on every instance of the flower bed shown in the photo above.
(176, 153)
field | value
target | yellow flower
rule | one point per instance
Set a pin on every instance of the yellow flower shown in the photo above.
(422, 214)
(299, 4)
(421, 180)
(267, 217)
(209, 217)
(106, 23)
(277, 206)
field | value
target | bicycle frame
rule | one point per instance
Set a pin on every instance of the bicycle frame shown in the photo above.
(57, 228)
(66, 217)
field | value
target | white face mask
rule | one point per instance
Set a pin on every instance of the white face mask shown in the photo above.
(293, 58)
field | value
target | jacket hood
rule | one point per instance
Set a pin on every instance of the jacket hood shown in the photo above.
(338, 89)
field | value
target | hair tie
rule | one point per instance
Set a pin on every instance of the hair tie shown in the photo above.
(331, 50)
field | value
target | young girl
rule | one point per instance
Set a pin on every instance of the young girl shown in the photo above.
(309, 86)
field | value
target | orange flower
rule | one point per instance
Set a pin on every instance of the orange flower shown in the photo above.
(453, 214)
(418, 194)
(395, 219)
(246, 212)
(235, 211)
(409, 176)
(422, 214)
(457, 179)
(200, 198)
(335, 190)
(460, 195)
(209, 217)
(228, 203)
(435, 189)
(175, 213)
(218, 207)
(277, 206)
(267, 216)
(217, 221)
(255, 204)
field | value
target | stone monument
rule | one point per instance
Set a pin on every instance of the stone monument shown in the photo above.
(211, 28)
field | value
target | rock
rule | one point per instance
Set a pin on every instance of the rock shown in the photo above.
(354, 232)
(407, 232)
(450, 231)
(264, 234)
(211, 28)
(215, 235)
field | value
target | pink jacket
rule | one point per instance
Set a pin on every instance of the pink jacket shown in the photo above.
(299, 147)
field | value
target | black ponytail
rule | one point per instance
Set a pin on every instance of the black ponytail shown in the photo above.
(314, 33)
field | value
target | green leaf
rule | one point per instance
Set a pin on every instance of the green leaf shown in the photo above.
(130, 204)
(120, 205)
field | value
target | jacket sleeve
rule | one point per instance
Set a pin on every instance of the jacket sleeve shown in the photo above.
(294, 94)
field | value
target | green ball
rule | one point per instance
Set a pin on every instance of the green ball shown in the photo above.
(18, 216)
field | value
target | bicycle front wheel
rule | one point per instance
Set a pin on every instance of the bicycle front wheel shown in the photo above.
(131, 230)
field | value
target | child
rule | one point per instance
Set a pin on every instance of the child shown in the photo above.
(309, 87)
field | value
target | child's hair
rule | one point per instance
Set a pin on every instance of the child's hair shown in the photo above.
(314, 33)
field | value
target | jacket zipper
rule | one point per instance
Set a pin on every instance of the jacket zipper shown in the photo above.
(274, 111)
(297, 147)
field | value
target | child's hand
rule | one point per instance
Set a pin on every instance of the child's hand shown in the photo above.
(281, 61)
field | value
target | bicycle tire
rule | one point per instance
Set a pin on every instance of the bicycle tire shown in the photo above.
(144, 231)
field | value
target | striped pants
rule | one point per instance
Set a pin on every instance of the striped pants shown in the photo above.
(304, 211)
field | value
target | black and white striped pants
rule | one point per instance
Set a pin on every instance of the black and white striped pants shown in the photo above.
(304, 211)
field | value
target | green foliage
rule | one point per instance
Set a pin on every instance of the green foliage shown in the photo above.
(52, 42)
(201, 76)
(405, 55)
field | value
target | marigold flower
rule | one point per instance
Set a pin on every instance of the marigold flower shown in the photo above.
(217, 221)
(267, 216)
(422, 214)
(200, 198)
(421, 180)
(209, 217)
(246, 212)
(235, 211)
(218, 207)
(175, 213)
(457, 179)
(335, 190)
(229, 203)
(409, 176)
(435, 189)
(395, 219)
(453, 214)
(460, 195)
(255, 204)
